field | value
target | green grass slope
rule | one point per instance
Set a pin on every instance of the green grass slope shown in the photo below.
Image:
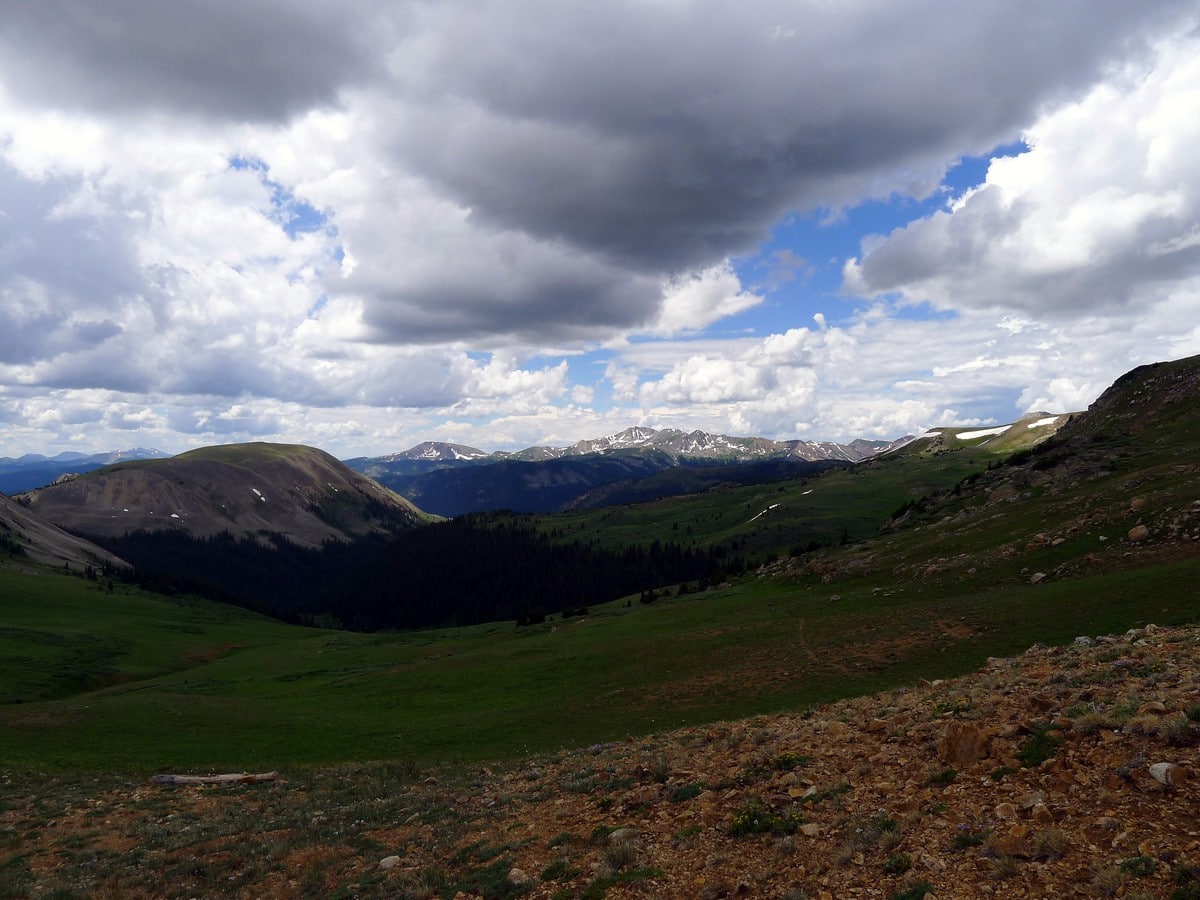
(63, 635)
(155, 686)
(781, 517)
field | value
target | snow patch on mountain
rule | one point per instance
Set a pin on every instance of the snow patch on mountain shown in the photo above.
(1043, 422)
(985, 432)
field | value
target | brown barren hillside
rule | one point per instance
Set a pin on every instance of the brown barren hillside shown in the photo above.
(1065, 771)
(300, 492)
(27, 542)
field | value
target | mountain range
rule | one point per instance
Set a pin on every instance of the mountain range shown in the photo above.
(678, 445)
(630, 466)
(34, 470)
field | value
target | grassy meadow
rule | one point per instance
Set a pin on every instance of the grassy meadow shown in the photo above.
(130, 682)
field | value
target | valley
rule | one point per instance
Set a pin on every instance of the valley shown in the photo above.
(927, 563)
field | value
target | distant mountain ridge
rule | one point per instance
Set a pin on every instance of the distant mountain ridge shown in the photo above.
(453, 479)
(705, 445)
(674, 442)
(33, 470)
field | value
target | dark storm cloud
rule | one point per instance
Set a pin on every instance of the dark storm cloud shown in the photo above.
(260, 60)
(506, 288)
(666, 136)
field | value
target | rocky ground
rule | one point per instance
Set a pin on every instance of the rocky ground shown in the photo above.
(1067, 771)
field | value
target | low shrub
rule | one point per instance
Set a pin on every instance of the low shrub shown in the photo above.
(754, 818)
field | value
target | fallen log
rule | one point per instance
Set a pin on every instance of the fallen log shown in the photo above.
(233, 778)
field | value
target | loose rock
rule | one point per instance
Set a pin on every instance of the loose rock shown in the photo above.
(962, 744)
(1169, 774)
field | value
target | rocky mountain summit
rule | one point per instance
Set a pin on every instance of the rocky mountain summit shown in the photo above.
(1064, 771)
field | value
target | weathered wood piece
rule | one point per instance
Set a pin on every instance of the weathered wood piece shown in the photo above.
(232, 778)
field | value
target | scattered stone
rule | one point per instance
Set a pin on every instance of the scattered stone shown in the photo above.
(1043, 815)
(1169, 774)
(1083, 641)
(962, 744)
(1037, 577)
(518, 877)
(1138, 533)
(1013, 842)
(389, 862)
(1030, 801)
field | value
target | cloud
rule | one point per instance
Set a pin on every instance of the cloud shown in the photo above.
(145, 266)
(266, 59)
(488, 190)
(547, 174)
(456, 283)
(882, 375)
(693, 303)
(1099, 215)
(48, 307)
(666, 137)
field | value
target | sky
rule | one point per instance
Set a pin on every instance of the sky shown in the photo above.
(365, 224)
